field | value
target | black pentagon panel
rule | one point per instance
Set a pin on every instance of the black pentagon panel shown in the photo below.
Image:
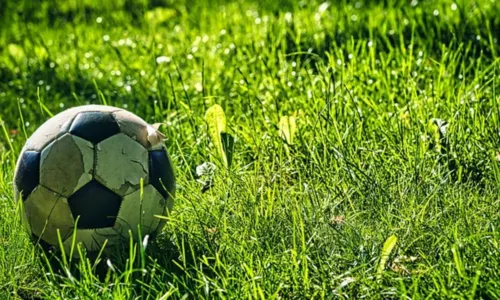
(161, 172)
(94, 126)
(28, 173)
(95, 206)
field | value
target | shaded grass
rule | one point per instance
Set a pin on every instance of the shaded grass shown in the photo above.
(369, 83)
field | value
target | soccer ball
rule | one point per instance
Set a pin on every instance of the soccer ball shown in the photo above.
(97, 171)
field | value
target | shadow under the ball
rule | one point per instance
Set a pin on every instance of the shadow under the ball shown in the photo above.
(150, 267)
(114, 260)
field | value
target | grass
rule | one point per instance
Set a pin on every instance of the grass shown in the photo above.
(389, 188)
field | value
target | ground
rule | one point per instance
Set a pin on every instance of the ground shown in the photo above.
(366, 159)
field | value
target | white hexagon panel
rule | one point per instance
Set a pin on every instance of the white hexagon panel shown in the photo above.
(141, 209)
(47, 212)
(121, 164)
(140, 131)
(93, 239)
(133, 126)
(50, 130)
(66, 164)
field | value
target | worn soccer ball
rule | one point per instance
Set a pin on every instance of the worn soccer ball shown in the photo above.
(99, 172)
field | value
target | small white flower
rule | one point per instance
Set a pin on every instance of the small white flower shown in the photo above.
(110, 265)
(346, 281)
(323, 7)
(145, 241)
(163, 60)
(206, 168)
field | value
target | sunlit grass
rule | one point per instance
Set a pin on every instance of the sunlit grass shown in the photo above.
(395, 132)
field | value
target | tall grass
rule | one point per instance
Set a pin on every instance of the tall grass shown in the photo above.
(396, 139)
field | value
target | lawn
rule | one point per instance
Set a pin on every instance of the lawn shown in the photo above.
(366, 160)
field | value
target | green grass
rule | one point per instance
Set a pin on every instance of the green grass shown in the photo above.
(369, 84)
